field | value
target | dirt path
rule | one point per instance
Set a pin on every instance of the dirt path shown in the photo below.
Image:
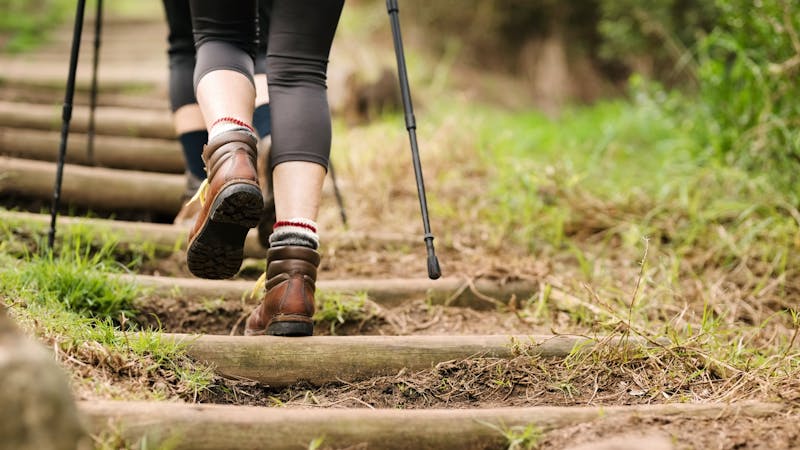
(461, 352)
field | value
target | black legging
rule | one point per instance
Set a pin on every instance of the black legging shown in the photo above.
(299, 42)
(181, 49)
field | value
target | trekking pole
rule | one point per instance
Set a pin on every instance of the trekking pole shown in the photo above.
(66, 116)
(434, 271)
(98, 31)
(338, 194)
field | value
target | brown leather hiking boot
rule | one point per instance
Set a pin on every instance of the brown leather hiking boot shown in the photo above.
(231, 205)
(288, 306)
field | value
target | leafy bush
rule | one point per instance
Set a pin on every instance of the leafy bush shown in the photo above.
(655, 37)
(749, 97)
(620, 36)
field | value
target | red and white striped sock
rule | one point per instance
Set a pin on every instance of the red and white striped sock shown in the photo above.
(296, 231)
(225, 124)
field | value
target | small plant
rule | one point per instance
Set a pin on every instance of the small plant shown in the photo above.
(519, 437)
(316, 443)
(338, 309)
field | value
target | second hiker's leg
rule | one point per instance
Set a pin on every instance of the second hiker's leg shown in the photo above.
(300, 37)
(262, 122)
(188, 120)
(225, 38)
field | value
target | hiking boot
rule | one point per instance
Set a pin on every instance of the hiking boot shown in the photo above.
(288, 305)
(231, 205)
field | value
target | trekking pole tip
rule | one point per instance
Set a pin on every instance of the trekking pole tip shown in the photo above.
(434, 271)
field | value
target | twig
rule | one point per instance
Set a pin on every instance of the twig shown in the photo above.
(456, 294)
(238, 322)
(482, 296)
(638, 279)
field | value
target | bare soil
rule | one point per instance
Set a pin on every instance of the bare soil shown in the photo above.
(777, 432)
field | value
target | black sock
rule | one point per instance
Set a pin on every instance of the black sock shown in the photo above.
(262, 120)
(192, 143)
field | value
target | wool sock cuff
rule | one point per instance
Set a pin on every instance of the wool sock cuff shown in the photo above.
(262, 120)
(225, 124)
(295, 231)
(192, 144)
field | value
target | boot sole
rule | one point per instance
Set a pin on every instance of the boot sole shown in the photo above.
(295, 329)
(217, 250)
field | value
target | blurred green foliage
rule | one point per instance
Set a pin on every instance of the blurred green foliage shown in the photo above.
(25, 23)
(655, 36)
(749, 96)
(621, 36)
(744, 110)
(736, 62)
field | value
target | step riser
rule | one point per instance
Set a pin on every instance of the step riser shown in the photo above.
(210, 427)
(94, 187)
(276, 362)
(387, 292)
(98, 187)
(109, 121)
(169, 237)
(152, 155)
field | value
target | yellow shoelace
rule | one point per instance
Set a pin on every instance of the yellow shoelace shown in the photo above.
(200, 195)
(258, 288)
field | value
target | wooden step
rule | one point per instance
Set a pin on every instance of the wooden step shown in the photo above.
(99, 187)
(281, 361)
(153, 155)
(453, 291)
(171, 237)
(20, 93)
(94, 187)
(211, 427)
(52, 73)
(109, 120)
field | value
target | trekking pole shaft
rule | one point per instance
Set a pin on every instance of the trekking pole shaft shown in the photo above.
(66, 117)
(338, 194)
(434, 271)
(98, 31)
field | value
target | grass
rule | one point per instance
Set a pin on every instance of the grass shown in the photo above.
(519, 437)
(75, 302)
(336, 309)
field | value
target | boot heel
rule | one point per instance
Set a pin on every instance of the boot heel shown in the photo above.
(240, 204)
(217, 250)
(290, 329)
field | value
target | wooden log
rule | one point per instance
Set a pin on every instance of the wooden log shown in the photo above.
(211, 427)
(94, 187)
(388, 292)
(108, 120)
(165, 237)
(170, 237)
(154, 155)
(112, 78)
(20, 93)
(277, 361)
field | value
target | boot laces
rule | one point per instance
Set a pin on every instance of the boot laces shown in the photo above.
(201, 194)
(259, 287)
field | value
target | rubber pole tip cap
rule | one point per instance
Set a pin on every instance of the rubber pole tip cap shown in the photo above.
(434, 272)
